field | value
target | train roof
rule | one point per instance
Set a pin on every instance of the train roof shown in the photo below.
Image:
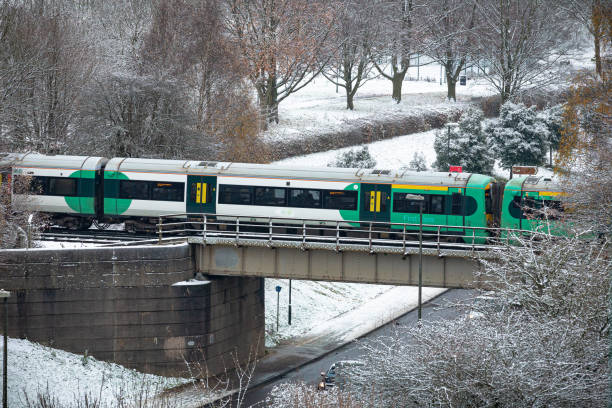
(35, 160)
(305, 173)
(136, 165)
(534, 183)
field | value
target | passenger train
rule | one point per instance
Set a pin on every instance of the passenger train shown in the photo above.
(78, 190)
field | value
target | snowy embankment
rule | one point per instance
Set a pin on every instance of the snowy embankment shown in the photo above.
(313, 303)
(66, 377)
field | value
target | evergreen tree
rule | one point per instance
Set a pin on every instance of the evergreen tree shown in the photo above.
(518, 137)
(358, 158)
(464, 145)
(552, 118)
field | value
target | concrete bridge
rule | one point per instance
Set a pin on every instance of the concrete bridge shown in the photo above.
(126, 305)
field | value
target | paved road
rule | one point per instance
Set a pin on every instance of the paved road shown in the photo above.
(310, 373)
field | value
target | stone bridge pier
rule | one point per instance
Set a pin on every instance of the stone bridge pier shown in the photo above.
(121, 304)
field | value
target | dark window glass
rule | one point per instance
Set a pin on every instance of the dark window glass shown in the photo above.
(515, 207)
(436, 204)
(340, 200)
(35, 185)
(270, 196)
(62, 187)
(536, 209)
(456, 204)
(406, 205)
(469, 205)
(162, 191)
(134, 190)
(235, 194)
(304, 198)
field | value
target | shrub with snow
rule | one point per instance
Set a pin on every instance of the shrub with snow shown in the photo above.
(358, 158)
(464, 145)
(518, 137)
(418, 162)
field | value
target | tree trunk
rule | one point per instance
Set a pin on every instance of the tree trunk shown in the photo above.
(451, 85)
(550, 156)
(349, 100)
(398, 79)
(597, 40)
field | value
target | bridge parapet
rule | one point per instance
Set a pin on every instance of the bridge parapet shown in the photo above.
(345, 251)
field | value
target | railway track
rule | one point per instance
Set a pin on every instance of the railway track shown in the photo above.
(92, 236)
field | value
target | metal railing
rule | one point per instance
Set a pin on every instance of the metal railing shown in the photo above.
(274, 231)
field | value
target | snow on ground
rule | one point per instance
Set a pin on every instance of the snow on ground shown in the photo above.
(312, 303)
(68, 377)
(60, 245)
(318, 109)
(389, 154)
(392, 154)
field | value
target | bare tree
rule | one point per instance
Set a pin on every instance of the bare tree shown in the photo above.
(395, 44)
(596, 16)
(447, 37)
(281, 42)
(518, 42)
(350, 65)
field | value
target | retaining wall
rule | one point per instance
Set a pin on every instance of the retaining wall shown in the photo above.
(119, 305)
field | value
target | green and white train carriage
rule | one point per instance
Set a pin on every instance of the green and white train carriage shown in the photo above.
(148, 188)
(140, 190)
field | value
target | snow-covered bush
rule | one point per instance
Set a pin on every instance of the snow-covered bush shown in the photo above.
(541, 339)
(358, 158)
(464, 145)
(518, 137)
(418, 162)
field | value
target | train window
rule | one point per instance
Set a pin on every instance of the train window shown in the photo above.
(270, 196)
(436, 204)
(515, 207)
(34, 185)
(304, 198)
(536, 209)
(134, 190)
(405, 205)
(62, 186)
(163, 191)
(456, 204)
(340, 200)
(229, 194)
(469, 205)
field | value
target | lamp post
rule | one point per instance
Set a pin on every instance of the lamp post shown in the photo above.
(5, 295)
(421, 200)
(278, 289)
(289, 302)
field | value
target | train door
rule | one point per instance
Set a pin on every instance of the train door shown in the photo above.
(201, 194)
(375, 202)
(455, 210)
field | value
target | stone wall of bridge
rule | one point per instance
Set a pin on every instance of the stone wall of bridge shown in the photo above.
(120, 305)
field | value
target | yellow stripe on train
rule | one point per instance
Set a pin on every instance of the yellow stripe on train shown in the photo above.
(419, 187)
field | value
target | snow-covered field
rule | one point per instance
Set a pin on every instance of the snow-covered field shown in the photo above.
(318, 109)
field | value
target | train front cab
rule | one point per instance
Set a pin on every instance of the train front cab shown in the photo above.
(531, 203)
